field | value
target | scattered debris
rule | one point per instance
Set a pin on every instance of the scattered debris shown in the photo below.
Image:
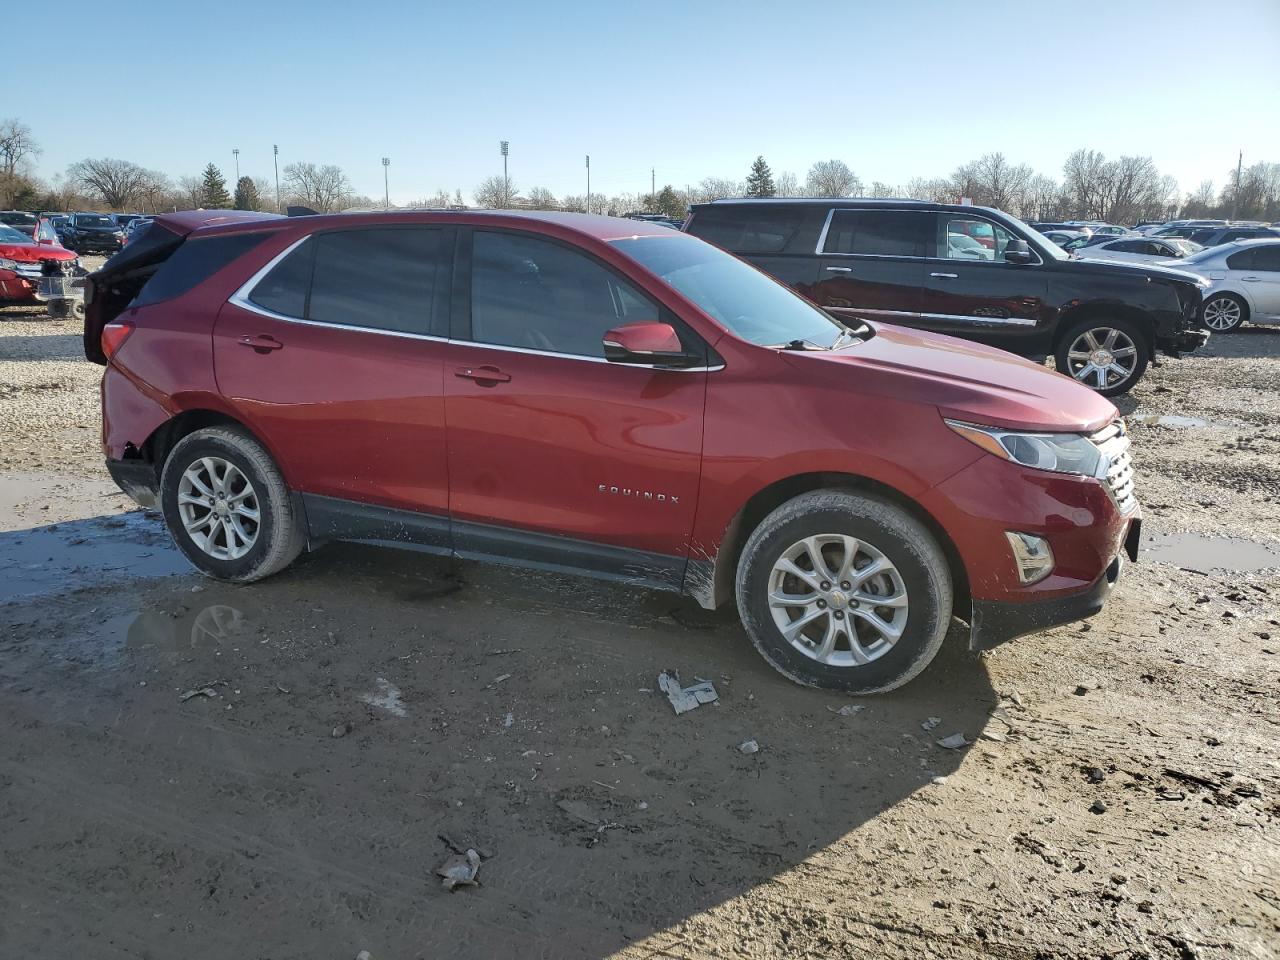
(460, 871)
(601, 783)
(1191, 778)
(684, 699)
(497, 680)
(953, 742)
(930, 724)
(749, 746)
(1098, 807)
(198, 692)
(1039, 848)
(341, 730)
(848, 710)
(282, 688)
(364, 955)
(388, 698)
(1095, 774)
(1081, 690)
(577, 810)
(509, 719)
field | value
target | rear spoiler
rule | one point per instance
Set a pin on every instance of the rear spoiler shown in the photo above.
(109, 291)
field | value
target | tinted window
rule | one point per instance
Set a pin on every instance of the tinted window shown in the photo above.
(1267, 258)
(884, 233)
(536, 294)
(381, 278)
(1128, 246)
(284, 289)
(763, 228)
(969, 238)
(193, 262)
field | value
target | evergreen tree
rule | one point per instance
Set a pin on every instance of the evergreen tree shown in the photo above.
(669, 204)
(213, 190)
(760, 180)
(247, 195)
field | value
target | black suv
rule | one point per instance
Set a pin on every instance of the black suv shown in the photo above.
(92, 233)
(968, 271)
(1215, 236)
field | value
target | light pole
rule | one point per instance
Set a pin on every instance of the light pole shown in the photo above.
(235, 152)
(275, 159)
(386, 196)
(503, 146)
(588, 183)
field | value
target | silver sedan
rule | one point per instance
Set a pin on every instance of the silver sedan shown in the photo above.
(1245, 278)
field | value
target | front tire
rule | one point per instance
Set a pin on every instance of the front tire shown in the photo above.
(227, 507)
(1107, 356)
(1224, 312)
(844, 590)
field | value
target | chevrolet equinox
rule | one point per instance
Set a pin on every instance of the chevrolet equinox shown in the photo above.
(604, 397)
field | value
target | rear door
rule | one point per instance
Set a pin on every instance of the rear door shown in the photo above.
(1262, 278)
(333, 353)
(870, 264)
(973, 292)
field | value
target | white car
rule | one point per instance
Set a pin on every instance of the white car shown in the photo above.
(1138, 249)
(1245, 282)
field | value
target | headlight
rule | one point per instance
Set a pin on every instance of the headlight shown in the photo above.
(1059, 452)
(8, 264)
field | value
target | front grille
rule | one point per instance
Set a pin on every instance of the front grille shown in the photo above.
(56, 268)
(1113, 442)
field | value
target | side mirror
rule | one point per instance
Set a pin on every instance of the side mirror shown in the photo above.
(1017, 251)
(45, 235)
(648, 342)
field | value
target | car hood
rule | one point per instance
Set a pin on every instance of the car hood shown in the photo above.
(964, 380)
(32, 252)
(1113, 268)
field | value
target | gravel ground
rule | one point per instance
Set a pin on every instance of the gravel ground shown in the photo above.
(1117, 797)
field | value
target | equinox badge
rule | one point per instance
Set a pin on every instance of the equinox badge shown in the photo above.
(638, 494)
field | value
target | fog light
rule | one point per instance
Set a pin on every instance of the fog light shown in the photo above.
(1033, 556)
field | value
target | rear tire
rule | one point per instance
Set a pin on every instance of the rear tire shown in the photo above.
(227, 507)
(1224, 312)
(821, 626)
(1121, 342)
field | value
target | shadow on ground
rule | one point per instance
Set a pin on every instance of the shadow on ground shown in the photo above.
(200, 770)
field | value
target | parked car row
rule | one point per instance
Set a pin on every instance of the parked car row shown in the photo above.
(617, 399)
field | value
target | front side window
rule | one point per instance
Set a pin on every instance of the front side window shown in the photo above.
(540, 295)
(382, 278)
(968, 238)
(880, 233)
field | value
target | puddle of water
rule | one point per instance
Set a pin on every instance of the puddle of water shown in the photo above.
(85, 553)
(1172, 420)
(387, 698)
(1194, 551)
(205, 627)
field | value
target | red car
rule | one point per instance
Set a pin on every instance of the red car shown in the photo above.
(23, 261)
(604, 397)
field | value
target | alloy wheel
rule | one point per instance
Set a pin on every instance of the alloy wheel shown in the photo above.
(219, 508)
(1102, 357)
(838, 600)
(1222, 313)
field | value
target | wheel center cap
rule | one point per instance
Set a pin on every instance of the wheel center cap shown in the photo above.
(1102, 358)
(839, 600)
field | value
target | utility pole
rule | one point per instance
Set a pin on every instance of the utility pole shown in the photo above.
(504, 146)
(235, 152)
(386, 195)
(653, 183)
(588, 183)
(275, 159)
(1235, 196)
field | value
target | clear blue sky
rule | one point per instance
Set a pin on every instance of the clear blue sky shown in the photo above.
(694, 89)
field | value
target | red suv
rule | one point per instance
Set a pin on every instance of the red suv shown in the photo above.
(605, 397)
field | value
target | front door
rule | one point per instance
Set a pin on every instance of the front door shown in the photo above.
(1262, 277)
(333, 360)
(870, 264)
(971, 291)
(558, 457)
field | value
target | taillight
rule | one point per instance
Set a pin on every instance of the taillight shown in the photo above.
(113, 337)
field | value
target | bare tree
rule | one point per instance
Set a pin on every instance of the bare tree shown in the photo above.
(937, 189)
(540, 198)
(786, 185)
(324, 189)
(496, 193)
(575, 203)
(880, 190)
(1199, 202)
(190, 192)
(117, 183)
(16, 145)
(1085, 184)
(832, 178)
(717, 188)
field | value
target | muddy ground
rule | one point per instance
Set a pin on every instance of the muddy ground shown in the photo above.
(355, 717)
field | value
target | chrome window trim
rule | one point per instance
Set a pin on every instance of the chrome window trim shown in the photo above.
(575, 356)
(996, 321)
(826, 227)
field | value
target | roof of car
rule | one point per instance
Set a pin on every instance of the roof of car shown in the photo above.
(590, 225)
(896, 203)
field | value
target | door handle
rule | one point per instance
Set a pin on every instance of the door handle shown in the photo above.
(484, 374)
(1251, 279)
(840, 269)
(944, 276)
(261, 343)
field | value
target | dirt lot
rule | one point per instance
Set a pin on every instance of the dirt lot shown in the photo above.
(368, 709)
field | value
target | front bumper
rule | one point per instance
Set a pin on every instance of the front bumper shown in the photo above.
(137, 478)
(995, 622)
(1185, 341)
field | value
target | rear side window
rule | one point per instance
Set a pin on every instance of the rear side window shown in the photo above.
(1267, 258)
(763, 228)
(881, 233)
(383, 278)
(192, 263)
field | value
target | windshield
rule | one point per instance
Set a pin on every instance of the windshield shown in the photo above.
(10, 235)
(17, 218)
(735, 294)
(94, 221)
